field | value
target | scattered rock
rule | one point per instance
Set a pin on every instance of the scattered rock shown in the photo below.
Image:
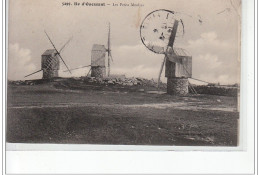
(141, 90)
(110, 82)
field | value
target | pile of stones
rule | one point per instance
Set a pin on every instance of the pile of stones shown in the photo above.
(20, 82)
(132, 81)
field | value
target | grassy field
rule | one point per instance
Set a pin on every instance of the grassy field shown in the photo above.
(77, 112)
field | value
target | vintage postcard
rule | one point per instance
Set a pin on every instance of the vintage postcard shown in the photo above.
(139, 72)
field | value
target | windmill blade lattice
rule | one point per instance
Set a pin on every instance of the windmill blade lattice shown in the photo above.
(50, 63)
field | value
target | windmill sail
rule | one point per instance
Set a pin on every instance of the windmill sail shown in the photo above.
(77, 68)
(108, 51)
(57, 51)
(88, 72)
(111, 57)
(65, 45)
(33, 73)
(173, 33)
(170, 44)
(161, 69)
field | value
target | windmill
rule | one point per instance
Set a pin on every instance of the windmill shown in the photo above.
(98, 59)
(50, 63)
(158, 32)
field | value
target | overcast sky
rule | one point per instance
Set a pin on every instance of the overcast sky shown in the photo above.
(213, 44)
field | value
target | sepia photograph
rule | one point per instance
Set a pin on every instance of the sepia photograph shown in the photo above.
(147, 73)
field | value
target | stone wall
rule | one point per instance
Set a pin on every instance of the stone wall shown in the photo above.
(177, 86)
(98, 72)
(47, 74)
(217, 90)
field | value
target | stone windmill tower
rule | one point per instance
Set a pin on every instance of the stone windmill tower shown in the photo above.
(50, 61)
(50, 64)
(98, 63)
(178, 68)
(98, 57)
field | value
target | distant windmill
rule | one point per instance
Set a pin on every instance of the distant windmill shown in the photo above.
(98, 59)
(50, 63)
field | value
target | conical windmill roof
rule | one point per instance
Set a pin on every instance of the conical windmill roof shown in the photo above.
(180, 52)
(49, 52)
(98, 47)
